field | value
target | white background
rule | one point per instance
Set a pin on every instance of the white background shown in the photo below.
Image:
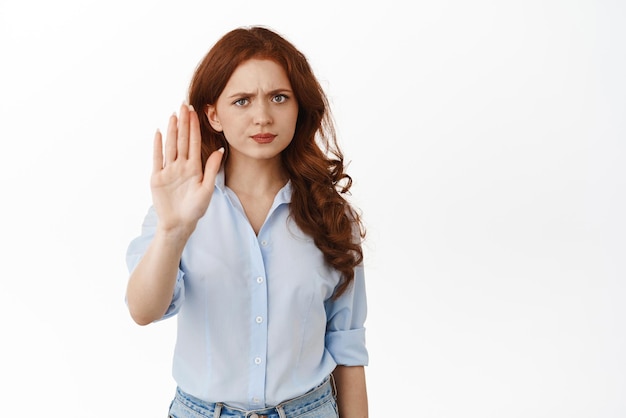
(487, 141)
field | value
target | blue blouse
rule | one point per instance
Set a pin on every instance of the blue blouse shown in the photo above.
(256, 322)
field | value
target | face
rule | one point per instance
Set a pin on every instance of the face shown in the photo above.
(257, 111)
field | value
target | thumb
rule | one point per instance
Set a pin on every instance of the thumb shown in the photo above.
(212, 167)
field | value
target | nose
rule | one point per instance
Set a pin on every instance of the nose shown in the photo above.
(262, 114)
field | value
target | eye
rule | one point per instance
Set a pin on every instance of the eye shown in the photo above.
(280, 98)
(241, 102)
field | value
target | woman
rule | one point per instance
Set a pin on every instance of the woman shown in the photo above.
(251, 243)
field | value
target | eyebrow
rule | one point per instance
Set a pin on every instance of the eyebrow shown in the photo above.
(269, 93)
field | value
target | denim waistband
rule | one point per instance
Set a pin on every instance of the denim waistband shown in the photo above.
(286, 409)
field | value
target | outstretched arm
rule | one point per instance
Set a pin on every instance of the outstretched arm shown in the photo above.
(181, 193)
(351, 391)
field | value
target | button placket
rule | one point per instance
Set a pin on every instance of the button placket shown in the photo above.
(258, 323)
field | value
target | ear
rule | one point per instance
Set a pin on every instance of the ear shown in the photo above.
(211, 114)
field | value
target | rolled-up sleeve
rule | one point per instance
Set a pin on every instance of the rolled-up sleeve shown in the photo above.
(345, 331)
(136, 250)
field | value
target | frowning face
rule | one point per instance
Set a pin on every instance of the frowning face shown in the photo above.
(257, 111)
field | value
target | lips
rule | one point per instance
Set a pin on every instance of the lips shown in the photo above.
(263, 138)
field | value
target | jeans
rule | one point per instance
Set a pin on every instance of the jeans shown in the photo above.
(318, 403)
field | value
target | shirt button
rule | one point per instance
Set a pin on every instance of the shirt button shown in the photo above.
(264, 243)
(259, 319)
(259, 279)
(256, 400)
(257, 360)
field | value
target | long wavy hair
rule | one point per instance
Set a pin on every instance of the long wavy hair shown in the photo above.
(313, 159)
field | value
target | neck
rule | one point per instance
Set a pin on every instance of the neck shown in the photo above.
(255, 177)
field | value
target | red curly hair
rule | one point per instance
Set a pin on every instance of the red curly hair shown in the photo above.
(313, 159)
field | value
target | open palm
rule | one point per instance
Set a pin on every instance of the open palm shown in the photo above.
(181, 192)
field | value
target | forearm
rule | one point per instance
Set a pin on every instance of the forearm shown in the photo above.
(351, 391)
(151, 284)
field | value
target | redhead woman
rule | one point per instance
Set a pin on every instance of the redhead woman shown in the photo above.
(251, 244)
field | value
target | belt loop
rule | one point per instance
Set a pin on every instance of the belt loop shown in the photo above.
(332, 381)
(218, 410)
(281, 411)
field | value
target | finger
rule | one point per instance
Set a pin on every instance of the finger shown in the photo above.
(170, 142)
(157, 155)
(183, 132)
(195, 138)
(212, 167)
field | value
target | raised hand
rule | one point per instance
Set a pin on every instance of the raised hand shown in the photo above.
(181, 192)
